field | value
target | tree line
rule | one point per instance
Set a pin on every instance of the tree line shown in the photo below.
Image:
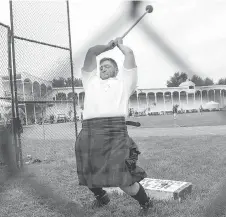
(174, 81)
(66, 82)
(179, 77)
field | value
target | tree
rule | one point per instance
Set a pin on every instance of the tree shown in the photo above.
(197, 80)
(222, 81)
(208, 82)
(78, 82)
(69, 82)
(61, 96)
(62, 82)
(177, 79)
(202, 82)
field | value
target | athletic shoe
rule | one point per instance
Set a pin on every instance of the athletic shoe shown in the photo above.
(146, 209)
(100, 201)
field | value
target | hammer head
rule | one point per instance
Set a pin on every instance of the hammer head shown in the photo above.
(149, 8)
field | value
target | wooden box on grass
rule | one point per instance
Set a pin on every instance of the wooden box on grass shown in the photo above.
(161, 189)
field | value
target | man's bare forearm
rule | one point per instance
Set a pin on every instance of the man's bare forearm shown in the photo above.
(124, 49)
(90, 59)
(99, 49)
(129, 62)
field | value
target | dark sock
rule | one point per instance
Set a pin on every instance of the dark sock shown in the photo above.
(98, 192)
(141, 196)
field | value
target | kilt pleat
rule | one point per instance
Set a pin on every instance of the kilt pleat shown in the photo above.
(102, 147)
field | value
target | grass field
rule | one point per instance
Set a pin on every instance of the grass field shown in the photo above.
(183, 120)
(192, 154)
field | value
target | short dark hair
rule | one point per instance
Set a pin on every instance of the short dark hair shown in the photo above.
(111, 60)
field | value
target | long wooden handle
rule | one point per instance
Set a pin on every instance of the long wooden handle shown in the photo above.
(134, 25)
(123, 36)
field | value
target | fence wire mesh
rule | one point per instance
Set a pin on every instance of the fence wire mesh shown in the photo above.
(42, 51)
(9, 155)
(43, 21)
(42, 65)
(41, 48)
(5, 93)
(3, 72)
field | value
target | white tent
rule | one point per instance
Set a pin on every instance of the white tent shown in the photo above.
(211, 105)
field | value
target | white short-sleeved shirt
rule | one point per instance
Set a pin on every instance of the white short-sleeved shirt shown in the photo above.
(108, 98)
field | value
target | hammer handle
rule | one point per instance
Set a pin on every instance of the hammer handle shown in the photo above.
(134, 25)
(123, 36)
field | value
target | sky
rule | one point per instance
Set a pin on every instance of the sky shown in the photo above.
(193, 29)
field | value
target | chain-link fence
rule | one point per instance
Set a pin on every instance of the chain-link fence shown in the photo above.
(4, 103)
(8, 141)
(4, 56)
(42, 60)
(46, 121)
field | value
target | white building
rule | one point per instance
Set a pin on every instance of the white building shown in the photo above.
(187, 96)
(33, 91)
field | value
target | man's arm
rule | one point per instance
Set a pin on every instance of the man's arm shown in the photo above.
(129, 62)
(90, 62)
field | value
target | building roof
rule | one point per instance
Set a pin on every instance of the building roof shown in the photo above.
(187, 84)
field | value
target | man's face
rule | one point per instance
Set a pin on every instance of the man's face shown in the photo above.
(107, 70)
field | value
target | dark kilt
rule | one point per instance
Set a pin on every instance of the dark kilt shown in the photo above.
(102, 149)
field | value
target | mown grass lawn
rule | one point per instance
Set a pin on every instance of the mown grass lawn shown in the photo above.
(198, 159)
(183, 120)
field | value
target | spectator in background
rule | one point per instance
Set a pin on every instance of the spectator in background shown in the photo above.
(81, 117)
(175, 110)
(200, 109)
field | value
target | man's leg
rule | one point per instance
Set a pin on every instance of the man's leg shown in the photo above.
(101, 197)
(174, 116)
(97, 191)
(132, 189)
(137, 192)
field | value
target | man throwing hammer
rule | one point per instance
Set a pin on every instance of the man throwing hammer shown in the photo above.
(106, 156)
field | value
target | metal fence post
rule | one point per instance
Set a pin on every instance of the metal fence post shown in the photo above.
(72, 72)
(12, 96)
(16, 120)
